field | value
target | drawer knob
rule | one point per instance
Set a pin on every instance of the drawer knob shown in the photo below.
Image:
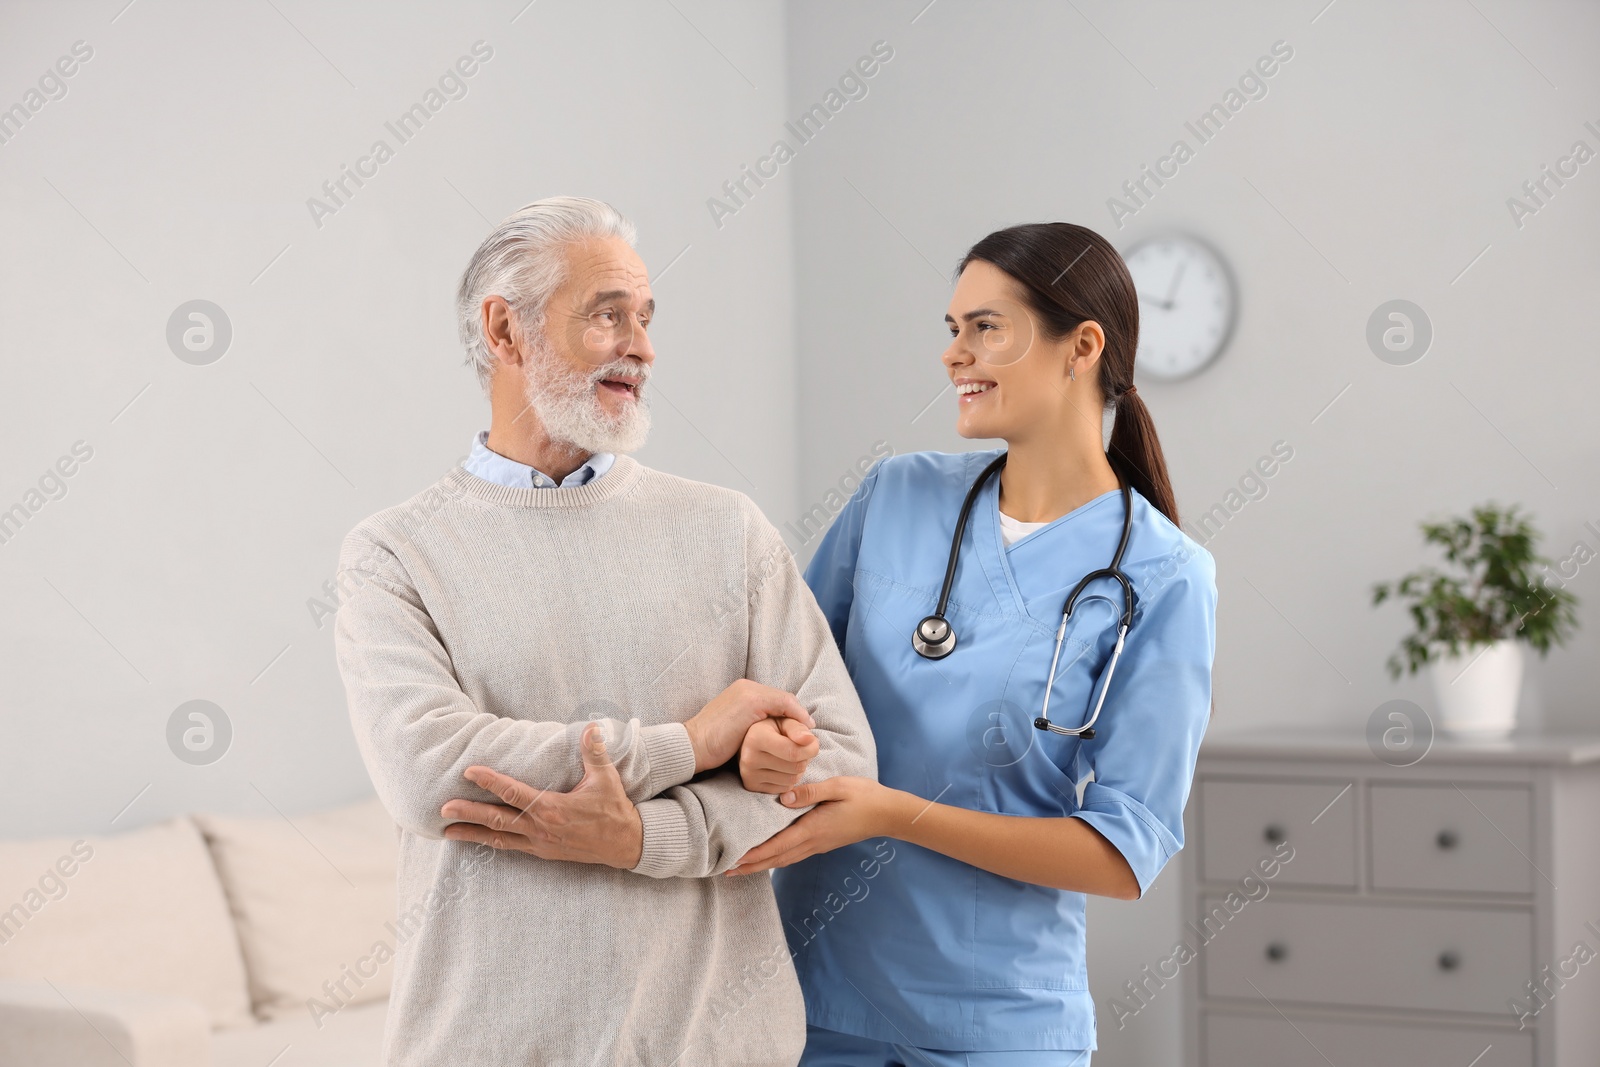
(1274, 834)
(1449, 961)
(1447, 839)
(1277, 952)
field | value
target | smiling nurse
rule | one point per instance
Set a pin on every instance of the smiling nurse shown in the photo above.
(962, 940)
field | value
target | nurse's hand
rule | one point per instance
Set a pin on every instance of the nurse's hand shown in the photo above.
(847, 810)
(775, 755)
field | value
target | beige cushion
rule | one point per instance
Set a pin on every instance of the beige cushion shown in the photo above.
(352, 1038)
(43, 1026)
(312, 897)
(137, 911)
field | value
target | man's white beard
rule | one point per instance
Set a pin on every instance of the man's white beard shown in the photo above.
(569, 407)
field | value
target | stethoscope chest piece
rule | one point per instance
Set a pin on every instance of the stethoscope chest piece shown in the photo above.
(934, 637)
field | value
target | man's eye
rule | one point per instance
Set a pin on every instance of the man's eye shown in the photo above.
(606, 316)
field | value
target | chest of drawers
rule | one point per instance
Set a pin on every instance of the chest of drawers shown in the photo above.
(1340, 910)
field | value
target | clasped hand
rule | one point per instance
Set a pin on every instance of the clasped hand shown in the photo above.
(596, 822)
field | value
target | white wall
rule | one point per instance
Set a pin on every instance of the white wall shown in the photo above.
(177, 166)
(1377, 167)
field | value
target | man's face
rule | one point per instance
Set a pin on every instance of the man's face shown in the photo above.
(587, 376)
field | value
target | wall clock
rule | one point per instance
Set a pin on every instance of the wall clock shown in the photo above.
(1186, 305)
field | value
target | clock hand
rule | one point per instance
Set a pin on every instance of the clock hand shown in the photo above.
(1172, 292)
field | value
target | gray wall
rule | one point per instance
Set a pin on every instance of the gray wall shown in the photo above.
(1376, 167)
(177, 166)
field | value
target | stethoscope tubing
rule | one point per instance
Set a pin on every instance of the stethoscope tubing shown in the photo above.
(935, 638)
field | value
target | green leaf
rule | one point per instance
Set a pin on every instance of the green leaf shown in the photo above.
(1499, 588)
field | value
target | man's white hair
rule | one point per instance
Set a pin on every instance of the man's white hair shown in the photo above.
(524, 261)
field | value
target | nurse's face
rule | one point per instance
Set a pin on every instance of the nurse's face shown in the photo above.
(1010, 379)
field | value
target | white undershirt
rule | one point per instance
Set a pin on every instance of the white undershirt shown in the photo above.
(1013, 530)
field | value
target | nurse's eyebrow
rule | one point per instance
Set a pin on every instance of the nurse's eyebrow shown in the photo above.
(968, 316)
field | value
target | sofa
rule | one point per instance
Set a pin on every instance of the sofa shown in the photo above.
(201, 941)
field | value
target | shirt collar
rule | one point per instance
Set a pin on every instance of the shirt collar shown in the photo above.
(493, 467)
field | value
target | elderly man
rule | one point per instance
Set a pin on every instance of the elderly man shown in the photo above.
(562, 653)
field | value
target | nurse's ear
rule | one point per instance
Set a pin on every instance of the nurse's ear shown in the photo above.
(1080, 355)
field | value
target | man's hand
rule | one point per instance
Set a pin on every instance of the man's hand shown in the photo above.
(595, 823)
(719, 728)
(775, 754)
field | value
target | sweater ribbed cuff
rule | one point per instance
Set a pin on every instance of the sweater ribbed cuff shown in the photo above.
(670, 756)
(666, 839)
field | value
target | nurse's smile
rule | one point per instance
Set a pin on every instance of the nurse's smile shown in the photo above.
(969, 390)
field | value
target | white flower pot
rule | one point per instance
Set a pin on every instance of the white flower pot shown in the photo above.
(1477, 691)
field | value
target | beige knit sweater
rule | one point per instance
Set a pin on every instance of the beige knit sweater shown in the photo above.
(489, 625)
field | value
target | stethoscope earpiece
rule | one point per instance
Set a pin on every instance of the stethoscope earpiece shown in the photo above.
(935, 638)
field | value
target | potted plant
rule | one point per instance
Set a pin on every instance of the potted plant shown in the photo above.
(1471, 624)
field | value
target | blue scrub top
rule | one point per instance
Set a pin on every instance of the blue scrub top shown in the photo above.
(899, 943)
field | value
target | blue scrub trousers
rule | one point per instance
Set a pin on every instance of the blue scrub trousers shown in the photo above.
(829, 1048)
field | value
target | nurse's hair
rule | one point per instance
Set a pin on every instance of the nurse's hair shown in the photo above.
(1068, 275)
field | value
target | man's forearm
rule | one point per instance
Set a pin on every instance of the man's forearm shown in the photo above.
(703, 828)
(420, 767)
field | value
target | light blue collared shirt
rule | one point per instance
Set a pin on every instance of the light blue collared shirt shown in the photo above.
(493, 467)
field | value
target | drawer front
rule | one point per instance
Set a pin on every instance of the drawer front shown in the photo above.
(1242, 822)
(1367, 955)
(1439, 837)
(1249, 1041)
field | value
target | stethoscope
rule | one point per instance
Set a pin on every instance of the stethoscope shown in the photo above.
(934, 637)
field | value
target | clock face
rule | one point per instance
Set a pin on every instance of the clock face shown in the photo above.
(1186, 303)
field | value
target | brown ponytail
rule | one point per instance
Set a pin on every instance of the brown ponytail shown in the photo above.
(1069, 275)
